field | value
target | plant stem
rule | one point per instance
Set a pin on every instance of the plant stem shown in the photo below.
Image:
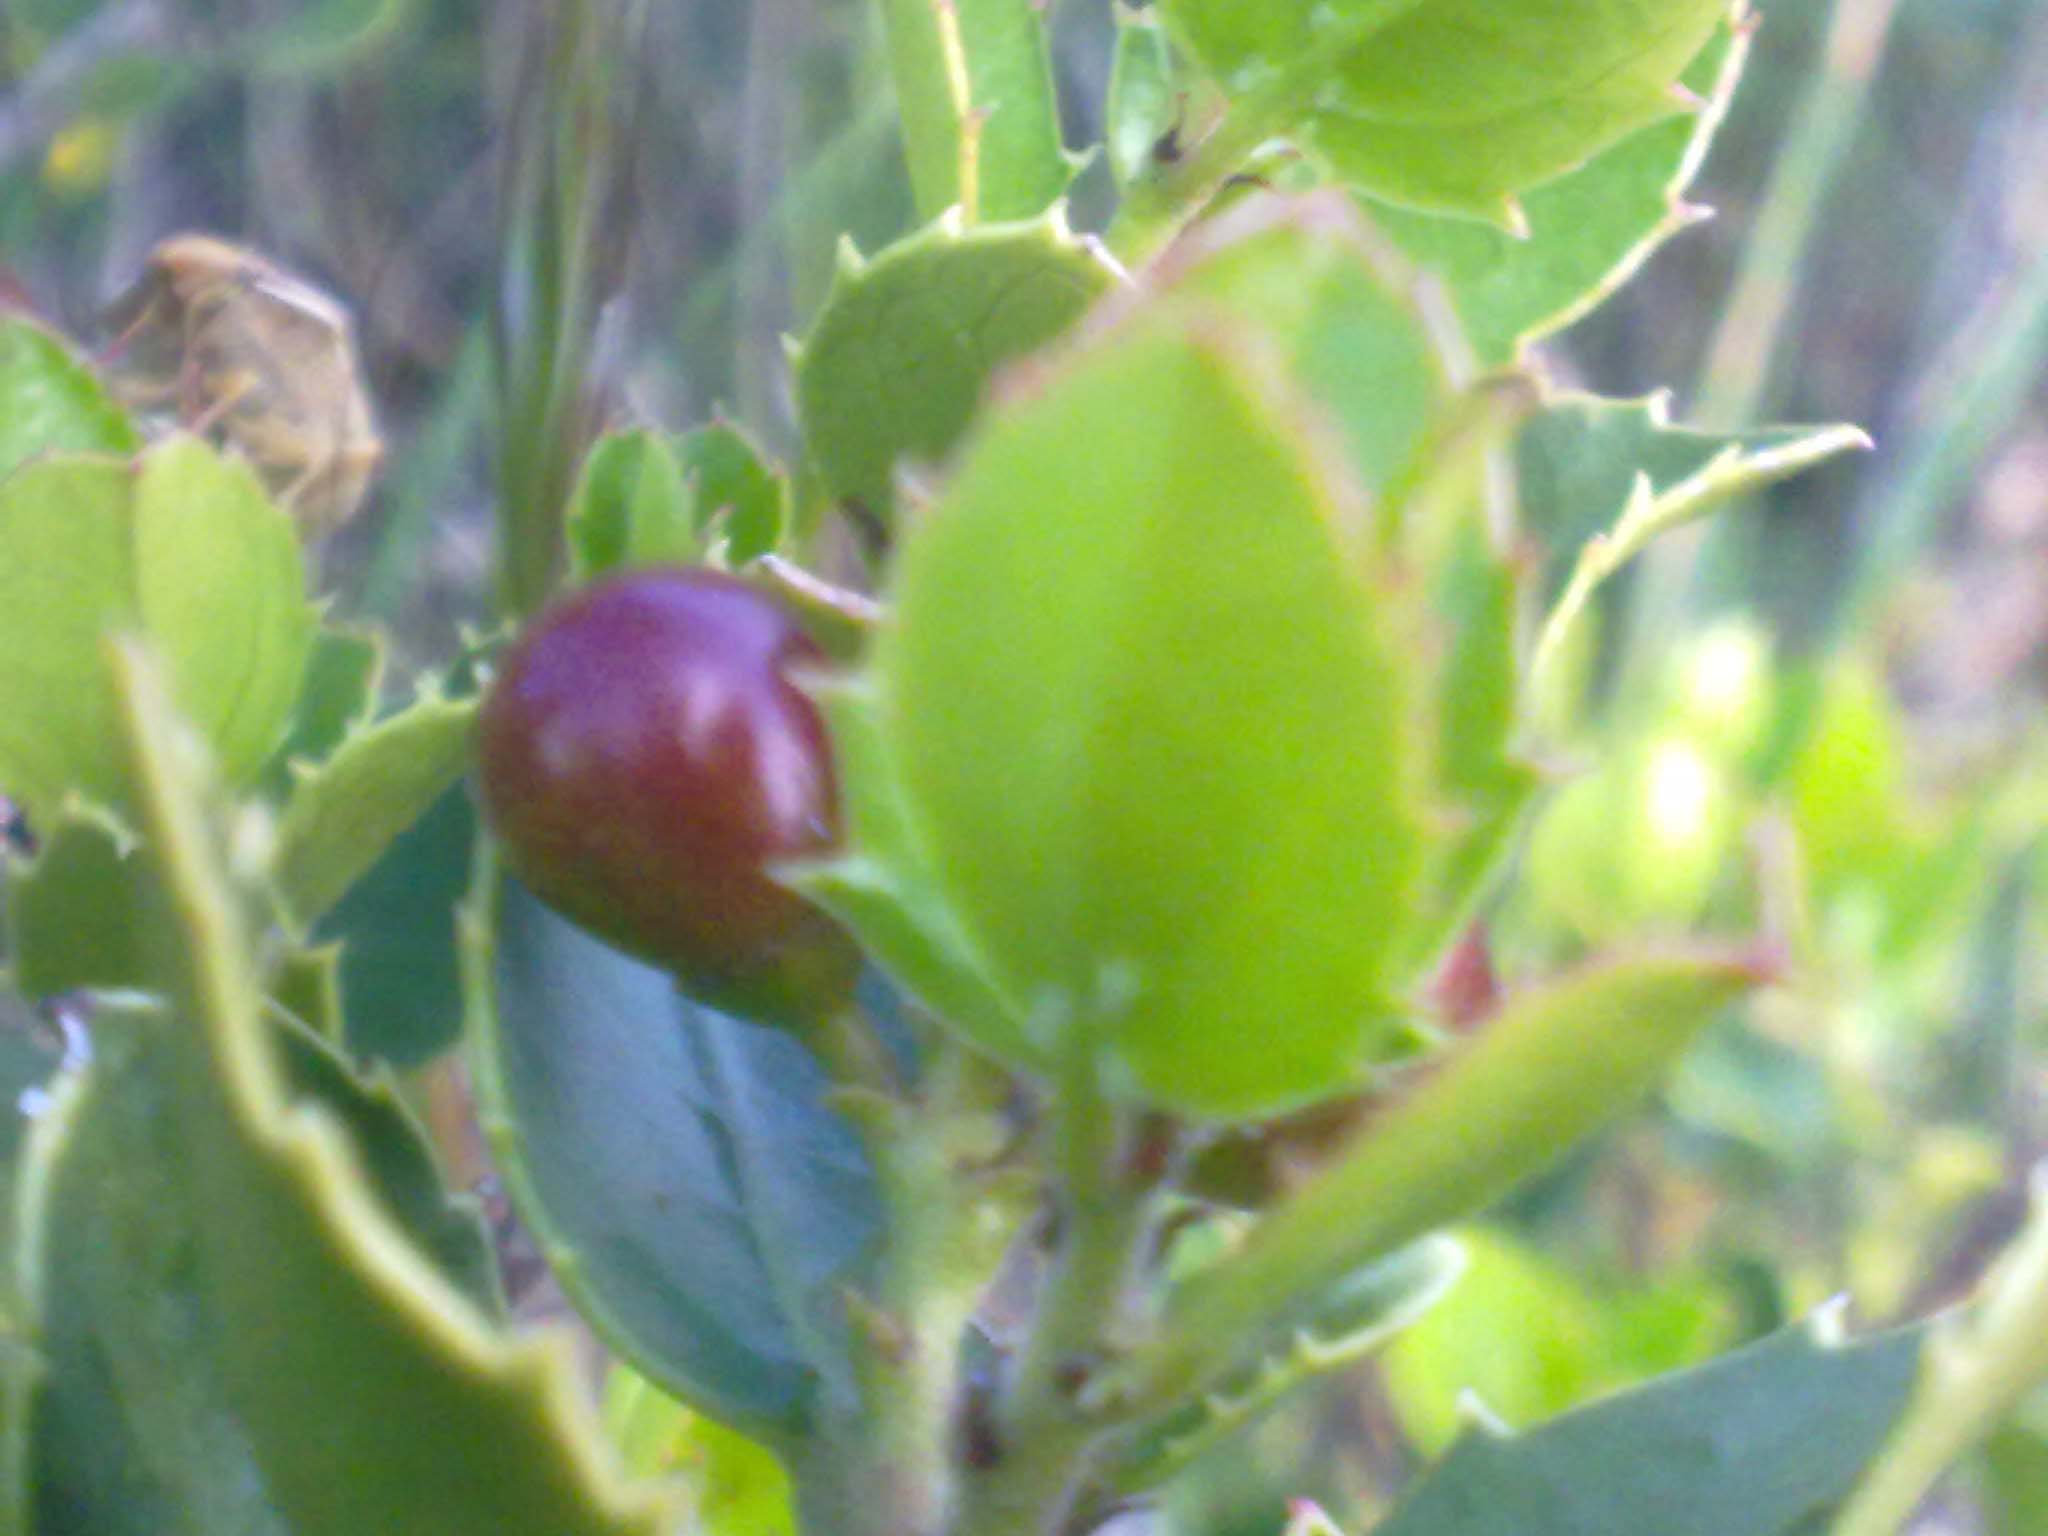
(1043, 1434)
(933, 102)
(888, 1470)
(1161, 202)
(564, 172)
(1970, 1378)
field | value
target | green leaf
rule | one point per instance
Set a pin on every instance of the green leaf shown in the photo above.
(344, 814)
(883, 887)
(1552, 1066)
(1153, 734)
(284, 1324)
(50, 402)
(1751, 1445)
(130, 1433)
(1588, 230)
(397, 929)
(631, 506)
(737, 1488)
(1451, 105)
(397, 1160)
(737, 493)
(1520, 1331)
(1587, 461)
(305, 984)
(694, 1194)
(1338, 302)
(975, 90)
(72, 921)
(902, 351)
(189, 551)
(2015, 1478)
(1353, 1321)
(338, 696)
(221, 592)
(66, 575)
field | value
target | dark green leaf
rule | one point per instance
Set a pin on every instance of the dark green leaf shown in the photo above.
(72, 919)
(1750, 1445)
(694, 1194)
(397, 930)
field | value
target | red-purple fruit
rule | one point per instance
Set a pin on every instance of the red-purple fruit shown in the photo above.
(644, 755)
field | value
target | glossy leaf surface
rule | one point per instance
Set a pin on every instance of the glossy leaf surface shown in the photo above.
(687, 1182)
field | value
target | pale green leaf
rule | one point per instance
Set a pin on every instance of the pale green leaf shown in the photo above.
(1354, 1320)
(1455, 106)
(346, 812)
(338, 696)
(66, 576)
(1588, 230)
(1339, 305)
(221, 592)
(1554, 1064)
(1153, 734)
(1141, 106)
(50, 403)
(882, 887)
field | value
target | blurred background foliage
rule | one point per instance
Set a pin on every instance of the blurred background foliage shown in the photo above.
(1819, 717)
